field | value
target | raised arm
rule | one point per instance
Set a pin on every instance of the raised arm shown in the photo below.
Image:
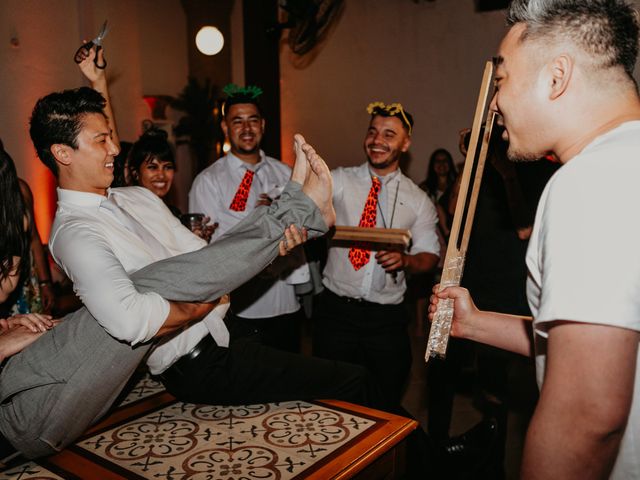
(98, 80)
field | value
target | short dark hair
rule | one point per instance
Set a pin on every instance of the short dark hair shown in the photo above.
(152, 144)
(606, 30)
(231, 101)
(409, 118)
(392, 110)
(57, 118)
(236, 95)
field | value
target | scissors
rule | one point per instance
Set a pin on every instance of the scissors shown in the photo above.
(84, 50)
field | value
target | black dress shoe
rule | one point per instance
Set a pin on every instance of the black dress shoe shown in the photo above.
(469, 452)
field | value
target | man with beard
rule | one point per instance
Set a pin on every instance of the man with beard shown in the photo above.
(359, 317)
(564, 85)
(266, 308)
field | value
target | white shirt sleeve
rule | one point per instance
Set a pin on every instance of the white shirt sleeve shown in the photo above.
(589, 252)
(201, 196)
(424, 230)
(104, 286)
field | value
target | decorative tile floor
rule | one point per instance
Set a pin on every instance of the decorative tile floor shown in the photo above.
(267, 441)
(29, 470)
(144, 388)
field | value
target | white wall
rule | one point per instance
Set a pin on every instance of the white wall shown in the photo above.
(427, 55)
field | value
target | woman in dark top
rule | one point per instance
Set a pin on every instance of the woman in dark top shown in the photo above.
(152, 165)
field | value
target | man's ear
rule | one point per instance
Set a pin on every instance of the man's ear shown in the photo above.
(561, 69)
(224, 127)
(406, 144)
(62, 153)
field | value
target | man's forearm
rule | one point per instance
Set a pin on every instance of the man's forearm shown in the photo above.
(508, 332)
(182, 314)
(420, 262)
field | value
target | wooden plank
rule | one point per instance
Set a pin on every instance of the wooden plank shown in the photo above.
(393, 236)
(465, 210)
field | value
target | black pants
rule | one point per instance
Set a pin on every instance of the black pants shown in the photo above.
(368, 334)
(281, 332)
(248, 372)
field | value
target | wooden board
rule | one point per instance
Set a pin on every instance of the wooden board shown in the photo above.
(391, 236)
(465, 210)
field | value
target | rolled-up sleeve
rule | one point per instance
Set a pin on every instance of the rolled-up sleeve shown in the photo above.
(104, 286)
(424, 230)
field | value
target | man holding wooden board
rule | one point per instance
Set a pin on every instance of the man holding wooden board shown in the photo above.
(564, 84)
(360, 317)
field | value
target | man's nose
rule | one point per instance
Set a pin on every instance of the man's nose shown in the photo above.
(114, 150)
(493, 106)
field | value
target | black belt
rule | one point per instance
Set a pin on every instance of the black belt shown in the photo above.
(183, 364)
(352, 300)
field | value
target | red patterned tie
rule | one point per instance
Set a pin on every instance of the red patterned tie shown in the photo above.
(360, 253)
(239, 202)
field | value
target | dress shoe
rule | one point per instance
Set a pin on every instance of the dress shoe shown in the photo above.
(468, 453)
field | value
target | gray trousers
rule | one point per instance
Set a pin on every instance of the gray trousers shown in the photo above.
(53, 390)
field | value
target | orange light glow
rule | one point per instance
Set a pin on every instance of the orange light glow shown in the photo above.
(44, 199)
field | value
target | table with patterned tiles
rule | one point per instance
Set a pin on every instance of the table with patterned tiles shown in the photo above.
(152, 435)
(29, 471)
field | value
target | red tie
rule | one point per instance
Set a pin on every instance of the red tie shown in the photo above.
(359, 254)
(239, 202)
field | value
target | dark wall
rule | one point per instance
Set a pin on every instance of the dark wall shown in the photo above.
(262, 64)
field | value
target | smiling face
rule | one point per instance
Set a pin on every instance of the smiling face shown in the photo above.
(89, 168)
(385, 141)
(156, 175)
(244, 126)
(520, 96)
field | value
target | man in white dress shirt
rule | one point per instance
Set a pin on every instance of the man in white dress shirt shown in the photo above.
(360, 317)
(106, 240)
(266, 307)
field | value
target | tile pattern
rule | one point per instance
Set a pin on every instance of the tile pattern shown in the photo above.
(28, 471)
(266, 441)
(144, 388)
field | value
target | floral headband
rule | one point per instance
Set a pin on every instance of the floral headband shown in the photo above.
(391, 110)
(237, 94)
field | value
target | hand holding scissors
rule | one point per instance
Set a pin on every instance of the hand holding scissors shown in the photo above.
(84, 50)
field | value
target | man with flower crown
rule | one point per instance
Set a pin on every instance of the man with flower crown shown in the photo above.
(360, 317)
(266, 308)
